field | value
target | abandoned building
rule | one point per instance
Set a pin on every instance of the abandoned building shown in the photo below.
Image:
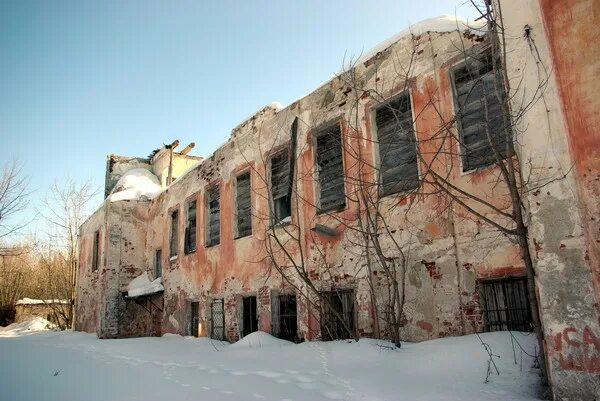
(263, 232)
(54, 310)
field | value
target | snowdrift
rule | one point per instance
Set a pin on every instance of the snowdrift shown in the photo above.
(32, 325)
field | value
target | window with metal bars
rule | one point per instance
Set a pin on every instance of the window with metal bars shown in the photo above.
(330, 169)
(190, 228)
(483, 124)
(174, 240)
(96, 251)
(505, 304)
(213, 222)
(243, 200)
(397, 146)
(280, 185)
(217, 320)
(337, 315)
(284, 316)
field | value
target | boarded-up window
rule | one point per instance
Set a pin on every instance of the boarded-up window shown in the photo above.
(506, 304)
(174, 241)
(280, 185)
(213, 226)
(482, 121)
(243, 201)
(217, 319)
(190, 228)
(397, 146)
(337, 315)
(330, 169)
(158, 263)
(96, 250)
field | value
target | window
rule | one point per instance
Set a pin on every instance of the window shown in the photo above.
(96, 250)
(174, 241)
(157, 263)
(397, 146)
(482, 122)
(284, 323)
(280, 186)
(337, 315)
(250, 320)
(330, 169)
(243, 201)
(194, 318)
(190, 228)
(217, 319)
(506, 304)
(213, 227)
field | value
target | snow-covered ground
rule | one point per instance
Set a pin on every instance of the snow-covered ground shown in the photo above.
(77, 366)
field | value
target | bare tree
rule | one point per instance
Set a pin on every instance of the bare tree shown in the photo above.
(65, 210)
(13, 200)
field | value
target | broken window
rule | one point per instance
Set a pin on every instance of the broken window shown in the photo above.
(194, 318)
(284, 320)
(337, 315)
(217, 319)
(96, 250)
(157, 263)
(280, 185)
(506, 304)
(174, 241)
(213, 226)
(330, 169)
(190, 228)
(243, 200)
(397, 146)
(250, 320)
(482, 121)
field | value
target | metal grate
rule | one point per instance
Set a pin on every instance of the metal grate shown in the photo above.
(506, 304)
(217, 317)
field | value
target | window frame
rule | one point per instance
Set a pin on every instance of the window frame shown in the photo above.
(208, 243)
(236, 221)
(173, 234)
(96, 251)
(158, 263)
(189, 247)
(274, 220)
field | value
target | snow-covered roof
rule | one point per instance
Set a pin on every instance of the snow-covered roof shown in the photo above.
(135, 184)
(142, 286)
(31, 301)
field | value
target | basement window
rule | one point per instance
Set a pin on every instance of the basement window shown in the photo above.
(330, 169)
(337, 315)
(243, 201)
(217, 319)
(280, 187)
(190, 228)
(397, 146)
(482, 122)
(158, 263)
(213, 226)
(284, 316)
(174, 240)
(505, 304)
(96, 251)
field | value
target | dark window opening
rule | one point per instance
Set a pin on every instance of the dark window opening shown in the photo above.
(217, 319)
(243, 205)
(194, 318)
(174, 241)
(506, 304)
(397, 146)
(96, 250)
(284, 317)
(483, 123)
(337, 315)
(280, 186)
(190, 228)
(250, 320)
(330, 169)
(213, 229)
(158, 263)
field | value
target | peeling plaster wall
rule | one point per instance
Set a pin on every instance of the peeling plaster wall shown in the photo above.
(560, 136)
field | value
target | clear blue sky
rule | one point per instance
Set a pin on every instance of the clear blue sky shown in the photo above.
(81, 79)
